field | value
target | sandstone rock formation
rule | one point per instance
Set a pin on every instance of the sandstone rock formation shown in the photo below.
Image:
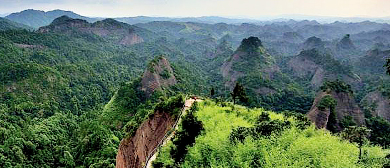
(345, 106)
(133, 151)
(159, 74)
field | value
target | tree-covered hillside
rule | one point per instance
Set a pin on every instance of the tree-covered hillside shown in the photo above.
(72, 90)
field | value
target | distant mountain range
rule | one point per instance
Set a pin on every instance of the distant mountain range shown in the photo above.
(37, 18)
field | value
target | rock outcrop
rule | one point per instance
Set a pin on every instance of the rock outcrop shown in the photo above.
(345, 106)
(379, 104)
(249, 59)
(315, 66)
(133, 151)
(159, 74)
(345, 44)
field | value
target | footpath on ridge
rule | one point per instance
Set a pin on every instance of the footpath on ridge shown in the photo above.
(187, 105)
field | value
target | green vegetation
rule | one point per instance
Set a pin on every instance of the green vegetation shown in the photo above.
(358, 135)
(165, 74)
(337, 86)
(190, 128)
(67, 99)
(238, 92)
(55, 108)
(380, 131)
(278, 142)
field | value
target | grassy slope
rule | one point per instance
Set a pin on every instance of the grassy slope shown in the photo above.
(293, 148)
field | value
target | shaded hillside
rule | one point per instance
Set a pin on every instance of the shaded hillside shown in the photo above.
(315, 67)
(6, 24)
(377, 104)
(334, 107)
(313, 43)
(37, 18)
(373, 62)
(249, 59)
(293, 37)
(112, 30)
(345, 49)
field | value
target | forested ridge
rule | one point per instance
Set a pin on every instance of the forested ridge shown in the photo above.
(70, 93)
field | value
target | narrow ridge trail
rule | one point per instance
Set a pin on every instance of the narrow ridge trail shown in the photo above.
(187, 105)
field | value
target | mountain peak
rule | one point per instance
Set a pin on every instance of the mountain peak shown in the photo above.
(110, 23)
(250, 43)
(159, 74)
(313, 42)
(38, 18)
(346, 43)
(66, 19)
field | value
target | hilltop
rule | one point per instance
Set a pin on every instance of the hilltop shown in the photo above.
(110, 29)
(37, 18)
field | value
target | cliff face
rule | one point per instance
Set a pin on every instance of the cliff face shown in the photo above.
(316, 66)
(133, 151)
(158, 74)
(319, 117)
(345, 106)
(379, 103)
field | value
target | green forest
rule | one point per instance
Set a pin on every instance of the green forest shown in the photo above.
(289, 94)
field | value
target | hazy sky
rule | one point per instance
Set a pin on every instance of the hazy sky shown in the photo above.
(247, 8)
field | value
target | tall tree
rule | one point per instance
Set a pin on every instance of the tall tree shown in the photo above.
(239, 93)
(212, 92)
(358, 135)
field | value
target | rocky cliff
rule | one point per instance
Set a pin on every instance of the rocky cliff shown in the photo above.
(158, 74)
(315, 66)
(133, 151)
(379, 104)
(345, 105)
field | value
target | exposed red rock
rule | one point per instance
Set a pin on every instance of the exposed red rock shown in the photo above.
(346, 106)
(158, 74)
(133, 151)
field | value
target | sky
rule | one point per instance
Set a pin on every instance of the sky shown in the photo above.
(194, 8)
